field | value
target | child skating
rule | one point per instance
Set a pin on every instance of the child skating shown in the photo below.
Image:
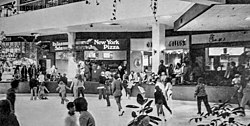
(41, 91)
(62, 91)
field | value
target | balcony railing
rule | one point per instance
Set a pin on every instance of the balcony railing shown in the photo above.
(10, 10)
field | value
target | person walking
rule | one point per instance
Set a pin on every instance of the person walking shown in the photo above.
(158, 95)
(117, 93)
(201, 95)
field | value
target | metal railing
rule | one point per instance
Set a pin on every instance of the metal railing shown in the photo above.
(11, 10)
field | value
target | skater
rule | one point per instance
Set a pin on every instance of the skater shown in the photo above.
(7, 117)
(71, 119)
(236, 82)
(117, 93)
(86, 118)
(33, 88)
(11, 93)
(162, 87)
(74, 87)
(159, 98)
(41, 92)
(201, 95)
(62, 91)
(80, 86)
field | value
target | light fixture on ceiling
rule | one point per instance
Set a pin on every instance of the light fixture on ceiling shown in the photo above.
(247, 18)
(111, 23)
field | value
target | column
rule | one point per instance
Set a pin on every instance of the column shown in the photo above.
(158, 45)
(72, 65)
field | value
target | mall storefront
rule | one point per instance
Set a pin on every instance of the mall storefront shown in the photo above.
(213, 52)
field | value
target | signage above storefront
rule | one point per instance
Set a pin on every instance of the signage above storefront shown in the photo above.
(177, 42)
(58, 46)
(221, 37)
(102, 44)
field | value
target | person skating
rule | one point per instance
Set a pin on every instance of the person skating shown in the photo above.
(201, 95)
(117, 93)
(62, 91)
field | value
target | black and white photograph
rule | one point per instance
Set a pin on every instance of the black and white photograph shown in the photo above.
(124, 62)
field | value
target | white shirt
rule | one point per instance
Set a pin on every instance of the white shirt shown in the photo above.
(41, 78)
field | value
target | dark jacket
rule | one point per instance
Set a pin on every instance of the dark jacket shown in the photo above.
(102, 79)
(161, 69)
(9, 120)
(11, 96)
(159, 97)
(33, 83)
(64, 80)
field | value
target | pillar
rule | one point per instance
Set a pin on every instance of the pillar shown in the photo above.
(72, 65)
(158, 45)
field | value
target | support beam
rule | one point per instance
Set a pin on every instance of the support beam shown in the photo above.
(192, 13)
(72, 66)
(207, 2)
(158, 44)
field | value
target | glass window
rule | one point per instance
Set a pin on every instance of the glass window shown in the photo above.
(217, 58)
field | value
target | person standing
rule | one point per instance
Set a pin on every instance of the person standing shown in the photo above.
(41, 78)
(80, 86)
(11, 93)
(74, 87)
(101, 88)
(117, 93)
(201, 95)
(33, 88)
(158, 95)
(161, 68)
(1, 71)
(64, 79)
(24, 73)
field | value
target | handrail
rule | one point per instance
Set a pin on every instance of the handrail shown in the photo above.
(11, 10)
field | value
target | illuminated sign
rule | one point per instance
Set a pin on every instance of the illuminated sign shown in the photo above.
(102, 44)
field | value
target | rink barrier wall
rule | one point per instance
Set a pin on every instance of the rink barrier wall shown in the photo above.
(180, 92)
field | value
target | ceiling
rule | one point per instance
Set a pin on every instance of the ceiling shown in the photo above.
(221, 17)
(140, 24)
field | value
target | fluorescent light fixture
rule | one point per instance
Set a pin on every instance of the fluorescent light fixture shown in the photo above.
(111, 23)
(247, 18)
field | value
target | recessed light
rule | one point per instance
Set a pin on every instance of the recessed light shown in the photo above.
(111, 23)
(247, 18)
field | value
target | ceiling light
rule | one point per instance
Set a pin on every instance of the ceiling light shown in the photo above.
(111, 23)
(248, 18)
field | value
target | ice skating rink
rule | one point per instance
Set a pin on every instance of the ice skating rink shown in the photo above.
(52, 113)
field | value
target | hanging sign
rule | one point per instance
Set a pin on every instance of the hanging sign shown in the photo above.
(177, 42)
(102, 44)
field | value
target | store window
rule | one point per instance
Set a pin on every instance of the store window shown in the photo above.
(176, 56)
(217, 58)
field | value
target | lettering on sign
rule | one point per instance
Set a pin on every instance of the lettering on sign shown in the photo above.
(59, 45)
(213, 39)
(99, 44)
(175, 43)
